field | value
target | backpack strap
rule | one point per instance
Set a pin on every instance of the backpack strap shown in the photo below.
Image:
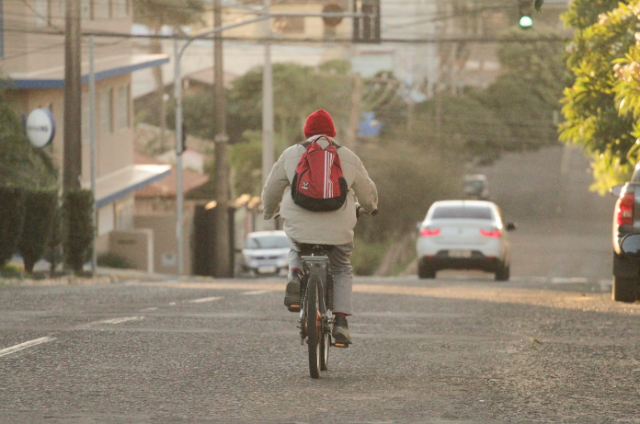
(305, 144)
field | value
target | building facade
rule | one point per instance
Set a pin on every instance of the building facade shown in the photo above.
(32, 60)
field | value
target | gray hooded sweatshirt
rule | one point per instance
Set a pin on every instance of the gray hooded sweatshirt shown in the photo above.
(304, 226)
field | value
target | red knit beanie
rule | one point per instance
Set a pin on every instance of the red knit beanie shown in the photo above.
(319, 122)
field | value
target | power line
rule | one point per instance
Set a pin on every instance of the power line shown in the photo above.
(426, 40)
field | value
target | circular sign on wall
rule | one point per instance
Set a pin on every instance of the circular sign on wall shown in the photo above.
(41, 127)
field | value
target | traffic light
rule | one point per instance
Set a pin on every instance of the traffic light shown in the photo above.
(525, 12)
(367, 28)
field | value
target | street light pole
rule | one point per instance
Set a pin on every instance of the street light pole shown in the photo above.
(177, 94)
(267, 110)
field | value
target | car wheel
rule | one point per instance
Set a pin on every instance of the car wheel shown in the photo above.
(424, 271)
(624, 289)
(502, 274)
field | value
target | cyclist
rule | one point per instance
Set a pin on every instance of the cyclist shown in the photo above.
(334, 228)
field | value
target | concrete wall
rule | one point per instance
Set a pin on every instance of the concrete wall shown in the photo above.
(136, 246)
(165, 251)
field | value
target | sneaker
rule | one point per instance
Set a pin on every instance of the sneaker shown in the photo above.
(292, 292)
(340, 331)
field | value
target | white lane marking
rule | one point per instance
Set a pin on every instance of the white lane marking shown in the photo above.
(25, 345)
(118, 320)
(256, 292)
(205, 299)
(569, 280)
(148, 309)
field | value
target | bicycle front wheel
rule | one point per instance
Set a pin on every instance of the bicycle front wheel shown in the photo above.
(314, 326)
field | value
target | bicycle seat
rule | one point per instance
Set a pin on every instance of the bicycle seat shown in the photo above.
(308, 249)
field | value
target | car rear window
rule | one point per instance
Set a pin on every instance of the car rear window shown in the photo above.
(267, 242)
(461, 212)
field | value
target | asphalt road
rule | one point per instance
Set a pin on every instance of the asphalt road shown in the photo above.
(460, 349)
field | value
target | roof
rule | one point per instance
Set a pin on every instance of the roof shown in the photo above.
(105, 68)
(167, 186)
(127, 180)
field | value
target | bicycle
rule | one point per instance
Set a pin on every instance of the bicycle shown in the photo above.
(316, 305)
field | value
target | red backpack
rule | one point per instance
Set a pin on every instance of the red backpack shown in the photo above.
(318, 184)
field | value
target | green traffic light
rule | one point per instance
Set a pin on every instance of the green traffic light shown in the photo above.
(526, 21)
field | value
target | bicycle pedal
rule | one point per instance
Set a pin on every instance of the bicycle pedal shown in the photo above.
(340, 345)
(293, 308)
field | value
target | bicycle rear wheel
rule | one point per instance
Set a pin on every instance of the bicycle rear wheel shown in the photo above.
(324, 351)
(314, 326)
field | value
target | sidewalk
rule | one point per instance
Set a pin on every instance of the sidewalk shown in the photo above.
(103, 275)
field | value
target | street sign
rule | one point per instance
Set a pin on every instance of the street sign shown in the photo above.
(41, 127)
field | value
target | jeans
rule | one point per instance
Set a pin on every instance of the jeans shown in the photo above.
(340, 269)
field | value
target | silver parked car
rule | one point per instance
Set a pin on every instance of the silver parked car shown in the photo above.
(266, 252)
(464, 234)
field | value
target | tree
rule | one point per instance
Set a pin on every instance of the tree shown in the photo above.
(155, 14)
(526, 95)
(604, 34)
(461, 126)
(300, 90)
(246, 161)
(21, 164)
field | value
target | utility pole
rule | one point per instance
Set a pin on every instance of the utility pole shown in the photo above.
(72, 162)
(268, 156)
(222, 260)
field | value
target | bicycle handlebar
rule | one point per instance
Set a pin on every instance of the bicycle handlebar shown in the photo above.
(360, 209)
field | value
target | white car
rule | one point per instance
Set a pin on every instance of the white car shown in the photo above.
(464, 234)
(266, 252)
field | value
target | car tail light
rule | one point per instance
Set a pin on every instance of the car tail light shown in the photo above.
(428, 232)
(491, 233)
(625, 209)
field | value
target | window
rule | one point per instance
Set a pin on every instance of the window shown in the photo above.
(288, 25)
(105, 110)
(461, 212)
(86, 135)
(122, 108)
(267, 242)
(120, 8)
(101, 9)
(41, 12)
(85, 9)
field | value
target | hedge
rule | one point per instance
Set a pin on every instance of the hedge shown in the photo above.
(11, 218)
(78, 241)
(39, 210)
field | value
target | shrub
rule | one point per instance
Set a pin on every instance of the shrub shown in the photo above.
(39, 209)
(366, 257)
(78, 240)
(11, 218)
(10, 271)
(113, 260)
(53, 248)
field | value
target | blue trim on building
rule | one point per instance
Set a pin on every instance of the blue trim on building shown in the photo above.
(39, 84)
(128, 190)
